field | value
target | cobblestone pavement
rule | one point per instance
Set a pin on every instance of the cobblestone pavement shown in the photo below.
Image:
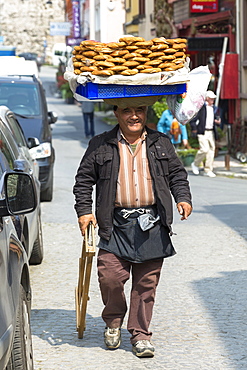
(200, 317)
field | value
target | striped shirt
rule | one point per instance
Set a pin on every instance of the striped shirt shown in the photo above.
(134, 185)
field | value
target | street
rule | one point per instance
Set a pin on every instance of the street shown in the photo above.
(200, 317)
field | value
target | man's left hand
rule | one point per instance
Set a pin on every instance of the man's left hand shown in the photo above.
(184, 210)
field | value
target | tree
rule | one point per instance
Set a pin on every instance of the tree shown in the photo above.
(163, 14)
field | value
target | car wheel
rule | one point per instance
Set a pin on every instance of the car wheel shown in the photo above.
(38, 251)
(22, 352)
(46, 195)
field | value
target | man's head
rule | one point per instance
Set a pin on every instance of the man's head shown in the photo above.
(131, 120)
(210, 96)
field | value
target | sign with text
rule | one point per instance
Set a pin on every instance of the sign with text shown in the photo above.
(60, 28)
(203, 6)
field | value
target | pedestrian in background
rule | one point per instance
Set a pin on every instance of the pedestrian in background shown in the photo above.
(204, 126)
(175, 130)
(135, 170)
(88, 116)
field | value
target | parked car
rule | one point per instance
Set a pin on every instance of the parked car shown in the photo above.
(15, 148)
(17, 197)
(25, 96)
(33, 56)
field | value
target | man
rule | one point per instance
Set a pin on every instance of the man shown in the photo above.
(88, 116)
(134, 169)
(207, 134)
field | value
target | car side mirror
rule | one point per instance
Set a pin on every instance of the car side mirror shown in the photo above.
(52, 117)
(20, 195)
(33, 142)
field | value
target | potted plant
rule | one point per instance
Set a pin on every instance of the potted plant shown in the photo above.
(67, 93)
(187, 155)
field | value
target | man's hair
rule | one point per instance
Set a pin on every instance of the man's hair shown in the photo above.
(115, 108)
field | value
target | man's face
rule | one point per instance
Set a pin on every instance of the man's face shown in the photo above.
(132, 119)
(210, 101)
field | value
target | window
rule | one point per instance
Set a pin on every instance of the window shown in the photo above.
(142, 8)
(4, 147)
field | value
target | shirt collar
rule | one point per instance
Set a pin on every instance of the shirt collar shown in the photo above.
(120, 135)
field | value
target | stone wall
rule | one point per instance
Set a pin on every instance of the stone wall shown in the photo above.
(25, 24)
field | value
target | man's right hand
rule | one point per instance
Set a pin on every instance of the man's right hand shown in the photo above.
(84, 221)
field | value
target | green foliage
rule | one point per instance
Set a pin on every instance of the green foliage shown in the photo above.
(163, 14)
(185, 152)
(159, 107)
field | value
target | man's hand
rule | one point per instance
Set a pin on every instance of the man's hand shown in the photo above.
(184, 210)
(84, 221)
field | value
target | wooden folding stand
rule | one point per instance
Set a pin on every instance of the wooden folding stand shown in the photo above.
(85, 267)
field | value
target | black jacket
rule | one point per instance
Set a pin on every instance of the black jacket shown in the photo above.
(100, 166)
(201, 118)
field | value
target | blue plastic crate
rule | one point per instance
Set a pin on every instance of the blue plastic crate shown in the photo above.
(109, 91)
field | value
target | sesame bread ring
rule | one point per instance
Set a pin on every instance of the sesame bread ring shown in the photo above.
(104, 64)
(154, 62)
(178, 66)
(179, 54)
(77, 72)
(131, 47)
(156, 54)
(78, 64)
(179, 46)
(179, 41)
(103, 73)
(131, 39)
(78, 56)
(117, 69)
(116, 60)
(143, 51)
(131, 55)
(168, 57)
(141, 59)
(163, 65)
(159, 40)
(179, 60)
(101, 57)
(88, 69)
(142, 66)
(115, 45)
(104, 50)
(89, 54)
(150, 70)
(88, 62)
(119, 53)
(144, 44)
(161, 46)
(129, 72)
(77, 48)
(169, 65)
(131, 63)
(170, 51)
(90, 43)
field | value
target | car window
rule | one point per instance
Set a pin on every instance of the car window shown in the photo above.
(20, 98)
(5, 148)
(19, 136)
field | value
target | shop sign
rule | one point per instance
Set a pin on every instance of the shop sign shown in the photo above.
(60, 28)
(205, 43)
(203, 6)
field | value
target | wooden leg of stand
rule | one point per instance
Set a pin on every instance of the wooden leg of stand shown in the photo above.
(227, 162)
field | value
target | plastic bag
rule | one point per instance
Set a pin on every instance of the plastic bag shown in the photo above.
(184, 107)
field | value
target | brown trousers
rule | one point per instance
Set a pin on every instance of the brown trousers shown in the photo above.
(113, 272)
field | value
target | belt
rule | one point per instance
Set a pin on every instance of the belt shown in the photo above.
(209, 129)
